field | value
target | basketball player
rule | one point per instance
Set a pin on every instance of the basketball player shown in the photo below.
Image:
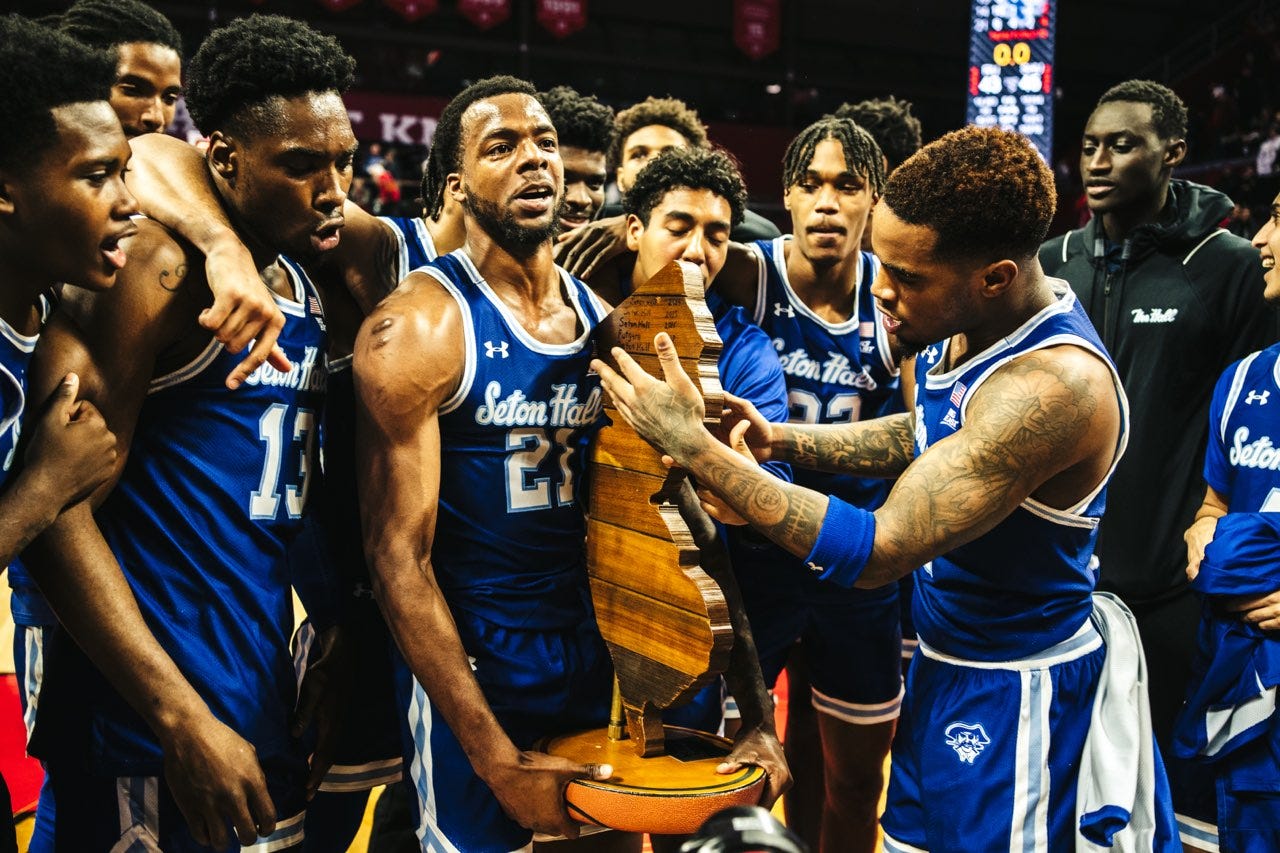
(1019, 420)
(585, 128)
(148, 84)
(64, 212)
(1235, 807)
(811, 293)
(214, 484)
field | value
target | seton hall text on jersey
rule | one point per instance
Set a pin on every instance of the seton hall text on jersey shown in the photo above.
(838, 369)
(1259, 453)
(564, 409)
(302, 375)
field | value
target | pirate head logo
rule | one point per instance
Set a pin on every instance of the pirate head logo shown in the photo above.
(967, 740)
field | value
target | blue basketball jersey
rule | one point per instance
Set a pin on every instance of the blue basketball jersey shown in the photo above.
(15, 356)
(836, 372)
(1242, 461)
(509, 543)
(1026, 584)
(416, 246)
(213, 492)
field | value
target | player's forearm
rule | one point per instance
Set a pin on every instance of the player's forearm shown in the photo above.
(878, 448)
(422, 625)
(171, 182)
(79, 576)
(27, 508)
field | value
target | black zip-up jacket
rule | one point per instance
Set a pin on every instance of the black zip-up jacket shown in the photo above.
(1175, 304)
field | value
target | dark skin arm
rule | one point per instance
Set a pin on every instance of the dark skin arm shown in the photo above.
(407, 362)
(1037, 427)
(757, 740)
(212, 772)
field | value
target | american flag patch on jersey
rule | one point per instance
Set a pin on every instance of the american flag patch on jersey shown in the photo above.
(957, 393)
(314, 305)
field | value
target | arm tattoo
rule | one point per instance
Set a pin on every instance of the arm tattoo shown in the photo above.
(878, 448)
(788, 514)
(1034, 414)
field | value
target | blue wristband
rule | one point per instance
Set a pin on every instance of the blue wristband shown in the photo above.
(844, 543)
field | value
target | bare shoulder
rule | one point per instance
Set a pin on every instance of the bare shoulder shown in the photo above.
(410, 349)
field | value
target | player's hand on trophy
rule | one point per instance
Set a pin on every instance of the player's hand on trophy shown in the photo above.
(216, 780)
(323, 698)
(667, 413)
(243, 311)
(754, 745)
(754, 432)
(583, 251)
(711, 503)
(531, 791)
(71, 451)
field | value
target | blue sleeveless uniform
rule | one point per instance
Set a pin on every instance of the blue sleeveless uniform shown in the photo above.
(214, 490)
(1000, 696)
(509, 551)
(416, 247)
(1241, 463)
(835, 373)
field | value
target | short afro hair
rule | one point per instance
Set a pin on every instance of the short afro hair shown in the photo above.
(861, 154)
(107, 24)
(40, 70)
(1168, 112)
(445, 156)
(890, 123)
(241, 67)
(581, 121)
(985, 191)
(692, 169)
(668, 112)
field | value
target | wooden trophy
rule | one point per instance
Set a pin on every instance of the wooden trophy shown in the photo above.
(663, 618)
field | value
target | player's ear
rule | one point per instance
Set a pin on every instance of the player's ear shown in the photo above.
(634, 229)
(453, 187)
(6, 195)
(997, 277)
(223, 156)
(1174, 152)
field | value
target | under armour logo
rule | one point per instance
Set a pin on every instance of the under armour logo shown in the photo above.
(929, 353)
(780, 310)
(815, 568)
(968, 740)
(490, 350)
(1255, 397)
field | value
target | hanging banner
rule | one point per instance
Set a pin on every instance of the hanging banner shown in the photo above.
(1011, 68)
(412, 10)
(485, 13)
(339, 5)
(757, 26)
(562, 17)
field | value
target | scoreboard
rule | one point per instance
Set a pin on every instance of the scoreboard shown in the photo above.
(1011, 68)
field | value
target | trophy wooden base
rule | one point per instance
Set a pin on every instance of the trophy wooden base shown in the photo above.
(671, 794)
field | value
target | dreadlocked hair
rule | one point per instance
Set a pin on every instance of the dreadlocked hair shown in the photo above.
(1168, 112)
(668, 112)
(580, 120)
(709, 169)
(985, 191)
(861, 154)
(106, 24)
(890, 123)
(243, 66)
(42, 69)
(445, 156)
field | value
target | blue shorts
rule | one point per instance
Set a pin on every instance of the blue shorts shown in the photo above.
(538, 683)
(370, 748)
(132, 814)
(987, 755)
(906, 596)
(851, 639)
(1215, 813)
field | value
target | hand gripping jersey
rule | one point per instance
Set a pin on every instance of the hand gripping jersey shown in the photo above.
(509, 542)
(1242, 460)
(15, 357)
(212, 494)
(836, 372)
(1026, 584)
